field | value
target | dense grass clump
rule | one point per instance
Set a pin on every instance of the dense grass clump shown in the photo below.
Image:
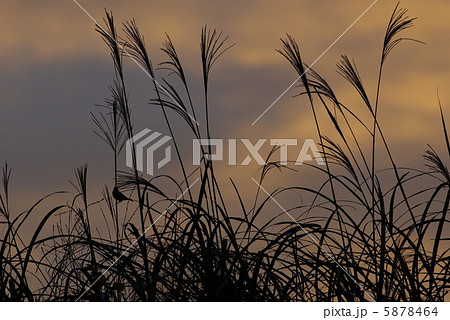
(364, 235)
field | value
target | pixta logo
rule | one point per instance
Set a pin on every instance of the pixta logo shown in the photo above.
(147, 142)
(308, 148)
(145, 145)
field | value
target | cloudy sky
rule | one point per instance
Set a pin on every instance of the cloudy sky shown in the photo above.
(55, 69)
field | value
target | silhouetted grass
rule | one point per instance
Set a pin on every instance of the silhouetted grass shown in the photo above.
(368, 237)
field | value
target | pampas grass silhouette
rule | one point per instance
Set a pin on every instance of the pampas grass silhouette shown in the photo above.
(198, 250)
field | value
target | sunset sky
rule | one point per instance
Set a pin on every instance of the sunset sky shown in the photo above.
(55, 68)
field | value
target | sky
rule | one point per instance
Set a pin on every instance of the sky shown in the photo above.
(55, 69)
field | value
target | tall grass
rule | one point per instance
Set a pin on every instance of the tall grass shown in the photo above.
(364, 235)
(383, 246)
